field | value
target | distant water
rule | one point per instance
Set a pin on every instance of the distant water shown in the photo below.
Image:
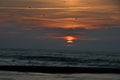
(59, 58)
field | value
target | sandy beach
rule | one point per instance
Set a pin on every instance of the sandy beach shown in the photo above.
(8, 75)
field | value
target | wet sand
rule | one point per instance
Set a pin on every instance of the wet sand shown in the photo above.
(10, 75)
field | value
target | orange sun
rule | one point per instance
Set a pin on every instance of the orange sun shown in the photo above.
(69, 39)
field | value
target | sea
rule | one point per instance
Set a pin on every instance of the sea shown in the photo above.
(58, 58)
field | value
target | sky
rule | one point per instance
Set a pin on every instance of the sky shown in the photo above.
(86, 25)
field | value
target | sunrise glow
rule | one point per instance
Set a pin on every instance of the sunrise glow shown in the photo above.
(69, 39)
(42, 23)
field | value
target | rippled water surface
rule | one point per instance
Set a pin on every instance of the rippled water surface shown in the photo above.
(59, 58)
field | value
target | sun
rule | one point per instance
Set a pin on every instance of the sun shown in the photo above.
(70, 39)
(69, 42)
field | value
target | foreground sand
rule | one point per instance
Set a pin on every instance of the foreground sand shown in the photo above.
(8, 75)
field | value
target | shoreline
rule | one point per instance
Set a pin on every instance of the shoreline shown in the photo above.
(60, 70)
